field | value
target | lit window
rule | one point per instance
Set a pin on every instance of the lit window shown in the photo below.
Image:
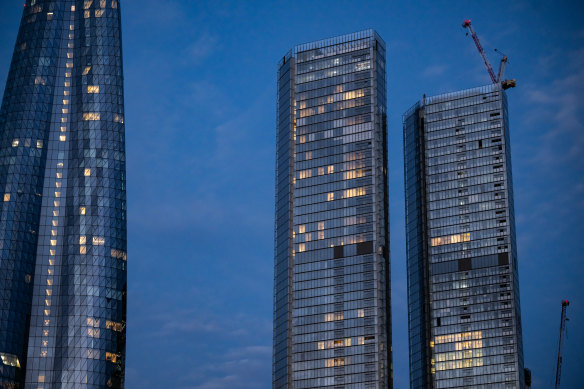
(308, 155)
(65, 102)
(111, 357)
(57, 194)
(301, 247)
(91, 116)
(451, 239)
(55, 223)
(321, 225)
(39, 144)
(335, 362)
(67, 84)
(93, 332)
(53, 242)
(320, 171)
(92, 322)
(69, 55)
(7, 197)
(348, 193)
(82, 240)
(114, 326)
(98, 241)
(330, 196)
(42, 377)
(321, 345)
(49, 292)
(87, 172)
(119, 254)
(305, 174)
(320, 234)
(331, 169)
(15, 143)
(308, 237)
(360, 313)
(56, 203)
(86, 70)
(62, 138)
(63, 129)
(47, 312)
(54, 232)
(301, 229)
(58, 184)
(82, 210)
(93, 89)
(118, 118)
(59, 175)
(10, 360)
(69, 65)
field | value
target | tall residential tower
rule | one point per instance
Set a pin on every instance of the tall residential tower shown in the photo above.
(63, 200)
(332, 318)
(463, 287)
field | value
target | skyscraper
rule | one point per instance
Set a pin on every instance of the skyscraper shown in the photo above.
(332, 318)
(463, 287)
(63, 208)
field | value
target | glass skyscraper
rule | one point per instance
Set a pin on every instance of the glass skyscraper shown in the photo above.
(463, 287)
(63, 200)
(332, 318)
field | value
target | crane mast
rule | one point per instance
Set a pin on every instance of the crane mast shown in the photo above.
(565, 304)
(497, 79)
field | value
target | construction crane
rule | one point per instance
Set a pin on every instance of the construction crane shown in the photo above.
(565, 304)
(497, 79)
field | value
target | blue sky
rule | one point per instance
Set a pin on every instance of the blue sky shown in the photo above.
(200, 87)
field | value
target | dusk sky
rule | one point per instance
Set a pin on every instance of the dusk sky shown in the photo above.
(200, 94)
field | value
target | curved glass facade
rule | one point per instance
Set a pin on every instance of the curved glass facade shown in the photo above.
(63, 214)
(332, 310)
(463, 285)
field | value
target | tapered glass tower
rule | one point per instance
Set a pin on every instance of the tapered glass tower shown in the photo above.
(63, 208)
(332, 309)
(463, 286)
